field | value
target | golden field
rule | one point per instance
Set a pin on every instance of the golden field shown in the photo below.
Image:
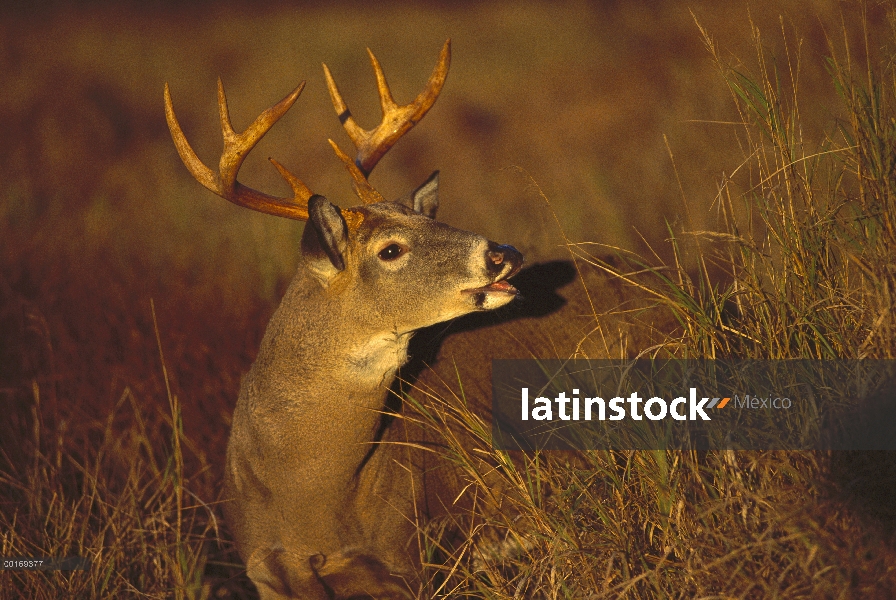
(132, 300)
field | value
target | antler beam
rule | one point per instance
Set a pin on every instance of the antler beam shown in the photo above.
(397, 120)
(236, 147)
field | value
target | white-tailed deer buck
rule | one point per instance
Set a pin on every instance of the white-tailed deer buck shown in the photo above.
(317, 508)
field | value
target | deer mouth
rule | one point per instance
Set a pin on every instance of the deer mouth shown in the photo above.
(508, 262)
(492, 296)
(500, 287)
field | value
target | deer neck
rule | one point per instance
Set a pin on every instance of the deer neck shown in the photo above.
(317, 350)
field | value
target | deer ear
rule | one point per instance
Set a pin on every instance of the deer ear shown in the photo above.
(426, 197)
(327, 236)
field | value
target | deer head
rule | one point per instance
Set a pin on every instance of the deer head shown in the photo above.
(404, 246)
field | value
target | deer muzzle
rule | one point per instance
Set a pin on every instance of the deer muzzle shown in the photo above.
(501, 262)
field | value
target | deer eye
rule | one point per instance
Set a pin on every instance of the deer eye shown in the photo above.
(391, 252)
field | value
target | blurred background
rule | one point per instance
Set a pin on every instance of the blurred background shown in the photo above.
(615, 111)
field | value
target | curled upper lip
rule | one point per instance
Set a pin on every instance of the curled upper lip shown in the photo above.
(513, 271)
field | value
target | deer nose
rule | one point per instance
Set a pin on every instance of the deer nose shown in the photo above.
(503, 261)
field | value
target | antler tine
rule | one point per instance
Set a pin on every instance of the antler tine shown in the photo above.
(236, 147)
(397, 120)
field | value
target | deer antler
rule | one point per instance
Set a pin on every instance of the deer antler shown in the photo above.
(397, 120)
(236, 147)
(372, 145)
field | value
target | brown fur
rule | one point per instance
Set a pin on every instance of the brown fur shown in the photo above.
(304, 478)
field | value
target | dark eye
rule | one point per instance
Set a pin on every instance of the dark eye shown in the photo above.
(391, 252)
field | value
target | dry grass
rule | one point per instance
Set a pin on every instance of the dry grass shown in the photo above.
(805, 259)
(114, 428)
